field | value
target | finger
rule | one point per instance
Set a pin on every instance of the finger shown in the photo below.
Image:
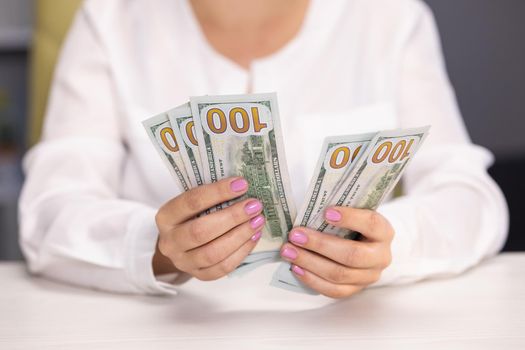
(197, 232)
(350, 253)
(198, 199)
(323, 286)
(229, 264)
(328, 269)
(222, 247)
(369, 223)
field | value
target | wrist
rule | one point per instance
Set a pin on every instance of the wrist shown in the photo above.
(162, 264)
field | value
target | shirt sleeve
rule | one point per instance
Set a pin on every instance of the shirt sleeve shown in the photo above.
(74, 227)
(453, 214)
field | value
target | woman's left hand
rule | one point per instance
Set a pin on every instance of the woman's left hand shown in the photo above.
(337, 267)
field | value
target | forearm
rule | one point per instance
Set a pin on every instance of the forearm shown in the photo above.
(74, 229)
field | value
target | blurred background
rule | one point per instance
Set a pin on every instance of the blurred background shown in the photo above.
(484, 47)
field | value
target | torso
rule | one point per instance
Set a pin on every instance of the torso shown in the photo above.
(334, 77)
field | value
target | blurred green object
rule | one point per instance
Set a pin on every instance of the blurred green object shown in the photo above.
(52, 20)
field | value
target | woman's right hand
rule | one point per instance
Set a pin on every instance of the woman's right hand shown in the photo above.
(211, 246)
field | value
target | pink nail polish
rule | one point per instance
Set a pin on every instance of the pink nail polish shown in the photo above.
(296, 269)
(239, 185)
(289, 253)
(257, 222)
(298, 237)
(253, 207)
(256, 236)
(332, 215)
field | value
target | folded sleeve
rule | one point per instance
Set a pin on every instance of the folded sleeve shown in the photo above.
(74, 226)
(453, 214)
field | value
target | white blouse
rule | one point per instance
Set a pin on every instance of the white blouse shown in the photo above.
(95, 182)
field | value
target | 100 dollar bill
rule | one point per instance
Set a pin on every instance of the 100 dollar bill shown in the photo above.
(338, 154)
(240, 135)
(183, 126)
(167, 144)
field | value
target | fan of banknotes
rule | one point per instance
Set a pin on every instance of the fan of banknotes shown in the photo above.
(214, 137)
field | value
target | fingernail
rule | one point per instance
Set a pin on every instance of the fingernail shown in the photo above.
(298, 237)
(253, 207)
(289, 253)
(239, 185)
(332, 215)
(296, 269)
(257, 222)
(256, 236)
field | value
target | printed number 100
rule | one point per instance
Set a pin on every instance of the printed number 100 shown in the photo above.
(238, 120)
(392, 152)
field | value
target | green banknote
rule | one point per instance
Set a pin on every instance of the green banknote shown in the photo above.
(167, 145)
(240, 135)
(338, 154)
(182, 123)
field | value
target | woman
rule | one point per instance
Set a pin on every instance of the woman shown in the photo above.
(92, 208)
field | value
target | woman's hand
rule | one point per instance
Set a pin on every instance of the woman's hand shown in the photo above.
(338, 267)
(211, 246)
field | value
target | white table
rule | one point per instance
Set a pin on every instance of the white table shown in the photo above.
(482, 309)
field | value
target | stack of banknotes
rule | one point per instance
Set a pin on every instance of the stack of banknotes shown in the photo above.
(214, 137)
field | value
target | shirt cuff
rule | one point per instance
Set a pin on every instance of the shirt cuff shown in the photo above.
(140, 247)
(402, 247)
